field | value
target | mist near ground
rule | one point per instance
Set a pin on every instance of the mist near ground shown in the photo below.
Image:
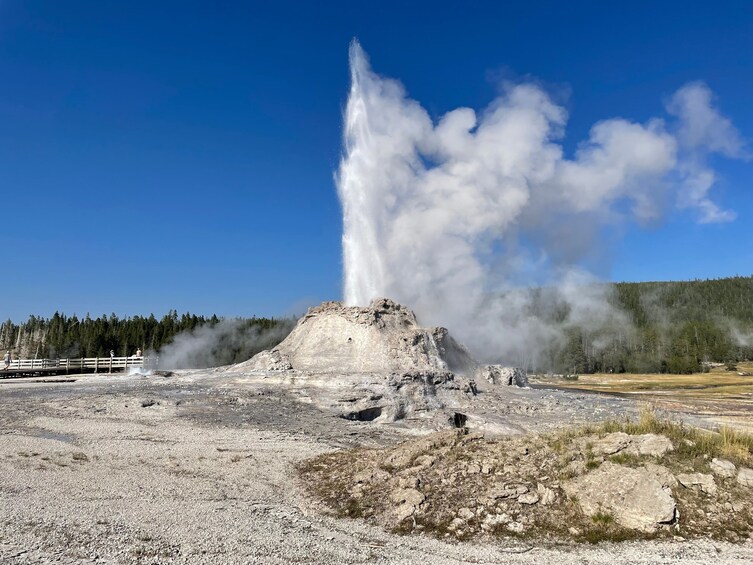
(214, 345)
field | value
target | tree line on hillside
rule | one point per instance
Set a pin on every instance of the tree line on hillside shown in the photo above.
(673, 327)
(662, 327)
(62, 336)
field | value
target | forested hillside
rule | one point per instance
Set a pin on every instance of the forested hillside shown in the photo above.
(673, 327)
(663, 327)
(63, 336)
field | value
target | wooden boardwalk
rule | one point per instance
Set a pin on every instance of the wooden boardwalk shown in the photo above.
(78, 365)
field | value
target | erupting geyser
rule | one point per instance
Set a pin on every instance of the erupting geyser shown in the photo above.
(454, 216)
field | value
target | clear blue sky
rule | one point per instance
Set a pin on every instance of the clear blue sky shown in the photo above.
(159, 155)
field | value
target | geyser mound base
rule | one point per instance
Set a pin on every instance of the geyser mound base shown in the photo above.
(377, 363)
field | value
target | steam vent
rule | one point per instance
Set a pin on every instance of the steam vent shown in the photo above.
(378, 363)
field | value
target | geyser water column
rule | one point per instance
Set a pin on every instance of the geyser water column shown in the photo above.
(364, 274)
(450, 216)
(421, 201)
(362, 184)
(403, 235)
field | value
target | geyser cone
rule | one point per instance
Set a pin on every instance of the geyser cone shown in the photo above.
(384, 337)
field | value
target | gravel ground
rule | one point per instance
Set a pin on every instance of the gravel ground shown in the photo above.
(198, 469)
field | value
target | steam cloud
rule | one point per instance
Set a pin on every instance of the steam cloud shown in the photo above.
(213, 345)
(456, 217)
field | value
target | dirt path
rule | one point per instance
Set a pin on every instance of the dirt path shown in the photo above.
(191, 470)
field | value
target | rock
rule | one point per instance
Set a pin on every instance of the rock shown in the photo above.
(413, 451)
(646, 444)
(722, 467)
(546, 495)
(273, 360)
(652, 444)
(371, 474)
(634, 497)
(465, 514)
(499, 375)
(409, 482)
(424, 461)
(516, 527)
(745, 477)
(512, 490)
(409, 495)
(407, 501)
(493, 520)
(704, 482)
(661, 474)
(575, 468)
(473, 469)
(455, 524)
(147, 402)
(611, 443)
(521, 489)
(528, 498)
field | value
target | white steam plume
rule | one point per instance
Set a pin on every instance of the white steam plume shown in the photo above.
(450, 217)
(741, 336)
(213, 345)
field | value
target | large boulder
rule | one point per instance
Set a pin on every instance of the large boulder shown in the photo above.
(499, 375)
(634, 497)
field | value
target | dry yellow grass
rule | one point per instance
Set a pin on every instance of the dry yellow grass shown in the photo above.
(717, 378)
(726, 442)
(724, 395)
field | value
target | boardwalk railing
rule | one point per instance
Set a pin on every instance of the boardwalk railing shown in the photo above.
(97, 364)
